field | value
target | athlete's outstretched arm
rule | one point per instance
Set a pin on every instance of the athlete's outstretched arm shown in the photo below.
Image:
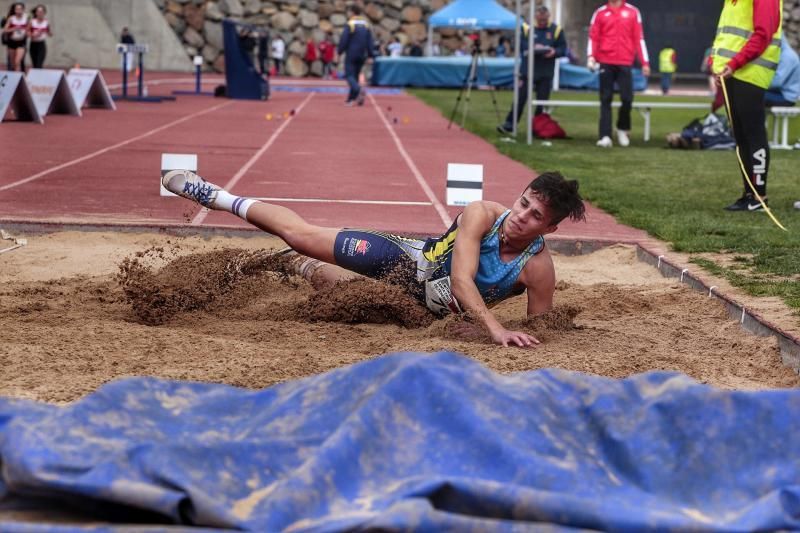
(476, 220)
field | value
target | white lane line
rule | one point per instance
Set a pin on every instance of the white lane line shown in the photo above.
(414, 170)
(329, 201)
(102, 151)
(201, 216)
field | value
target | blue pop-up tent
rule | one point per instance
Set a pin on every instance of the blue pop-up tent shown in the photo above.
(471, 15)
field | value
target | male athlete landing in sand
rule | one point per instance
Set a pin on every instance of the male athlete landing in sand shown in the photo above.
(489, 253)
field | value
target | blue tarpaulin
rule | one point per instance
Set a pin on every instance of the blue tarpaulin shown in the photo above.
(451, 71)
(426, 442)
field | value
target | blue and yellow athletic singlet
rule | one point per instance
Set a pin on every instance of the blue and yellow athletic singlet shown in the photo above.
(376, 254)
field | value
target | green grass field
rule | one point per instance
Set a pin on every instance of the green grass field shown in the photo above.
(675, 195)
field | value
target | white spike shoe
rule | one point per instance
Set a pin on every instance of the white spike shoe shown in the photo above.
(189, 185)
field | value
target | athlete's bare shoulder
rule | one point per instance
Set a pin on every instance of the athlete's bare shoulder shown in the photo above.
(485, 208)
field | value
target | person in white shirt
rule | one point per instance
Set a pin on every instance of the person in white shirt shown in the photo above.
(39, 30)
(395, 48)
(278, 52)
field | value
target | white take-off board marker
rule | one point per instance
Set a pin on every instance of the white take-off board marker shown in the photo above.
(176, 162)
(464, 183)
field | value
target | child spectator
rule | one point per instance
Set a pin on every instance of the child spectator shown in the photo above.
(278, 52)
(327, 52)
(311, 52)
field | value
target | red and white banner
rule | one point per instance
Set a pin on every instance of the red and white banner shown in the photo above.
(89, 89)
(51, 92)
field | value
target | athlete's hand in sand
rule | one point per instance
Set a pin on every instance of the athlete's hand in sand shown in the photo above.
(514, 338)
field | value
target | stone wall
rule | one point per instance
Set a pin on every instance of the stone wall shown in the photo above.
(197, 24)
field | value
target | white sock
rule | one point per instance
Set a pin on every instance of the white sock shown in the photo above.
(233, 204)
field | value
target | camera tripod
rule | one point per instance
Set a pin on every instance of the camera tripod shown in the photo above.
(470, 79)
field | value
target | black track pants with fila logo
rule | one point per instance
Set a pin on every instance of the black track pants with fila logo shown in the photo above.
(749, 129)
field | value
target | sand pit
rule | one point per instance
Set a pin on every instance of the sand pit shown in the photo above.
(80, 309)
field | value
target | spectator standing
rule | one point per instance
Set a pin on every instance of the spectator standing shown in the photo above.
(501, 50)
(415, 50)
(39, 31)
(395, 48)
(667, 65)
(263, 47)
(357, 44)
(616, 38)
(784, 91)
(278, 53)
(549, 44)
(436, 50)
(745, 56)
(126, 38)
(327, 52)
(16, 30)
(311, 52)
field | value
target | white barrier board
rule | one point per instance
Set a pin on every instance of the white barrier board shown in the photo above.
(16, 96)
(51, 92)
(176, 162)
(464, 183)
(89, 89)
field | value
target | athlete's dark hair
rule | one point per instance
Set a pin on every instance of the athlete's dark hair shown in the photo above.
(560, 195)
(355, 9)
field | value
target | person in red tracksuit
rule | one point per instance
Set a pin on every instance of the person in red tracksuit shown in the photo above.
(615, 40)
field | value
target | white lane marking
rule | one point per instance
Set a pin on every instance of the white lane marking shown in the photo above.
(201, 216)
(109, 148)
(414, 170)
(330, 201)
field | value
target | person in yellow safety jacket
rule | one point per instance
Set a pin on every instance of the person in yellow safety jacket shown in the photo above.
(744, 57)
(667, 65)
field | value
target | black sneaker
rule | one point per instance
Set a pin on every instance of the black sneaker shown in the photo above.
(746, 203)
(504, 130)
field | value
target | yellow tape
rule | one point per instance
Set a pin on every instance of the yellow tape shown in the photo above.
(741, 163)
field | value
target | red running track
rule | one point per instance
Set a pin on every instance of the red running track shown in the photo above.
(335, 165)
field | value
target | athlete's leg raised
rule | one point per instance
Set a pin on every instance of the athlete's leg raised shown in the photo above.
(307, 239)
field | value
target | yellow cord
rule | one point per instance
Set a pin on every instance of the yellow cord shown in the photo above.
(741, 163)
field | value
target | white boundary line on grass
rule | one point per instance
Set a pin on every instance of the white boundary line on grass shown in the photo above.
(440, 209)
(102, 151)
(201, 216)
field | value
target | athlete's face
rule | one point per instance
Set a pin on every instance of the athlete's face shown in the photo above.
(529, 218)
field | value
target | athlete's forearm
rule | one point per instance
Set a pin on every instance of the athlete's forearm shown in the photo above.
(470, 300)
